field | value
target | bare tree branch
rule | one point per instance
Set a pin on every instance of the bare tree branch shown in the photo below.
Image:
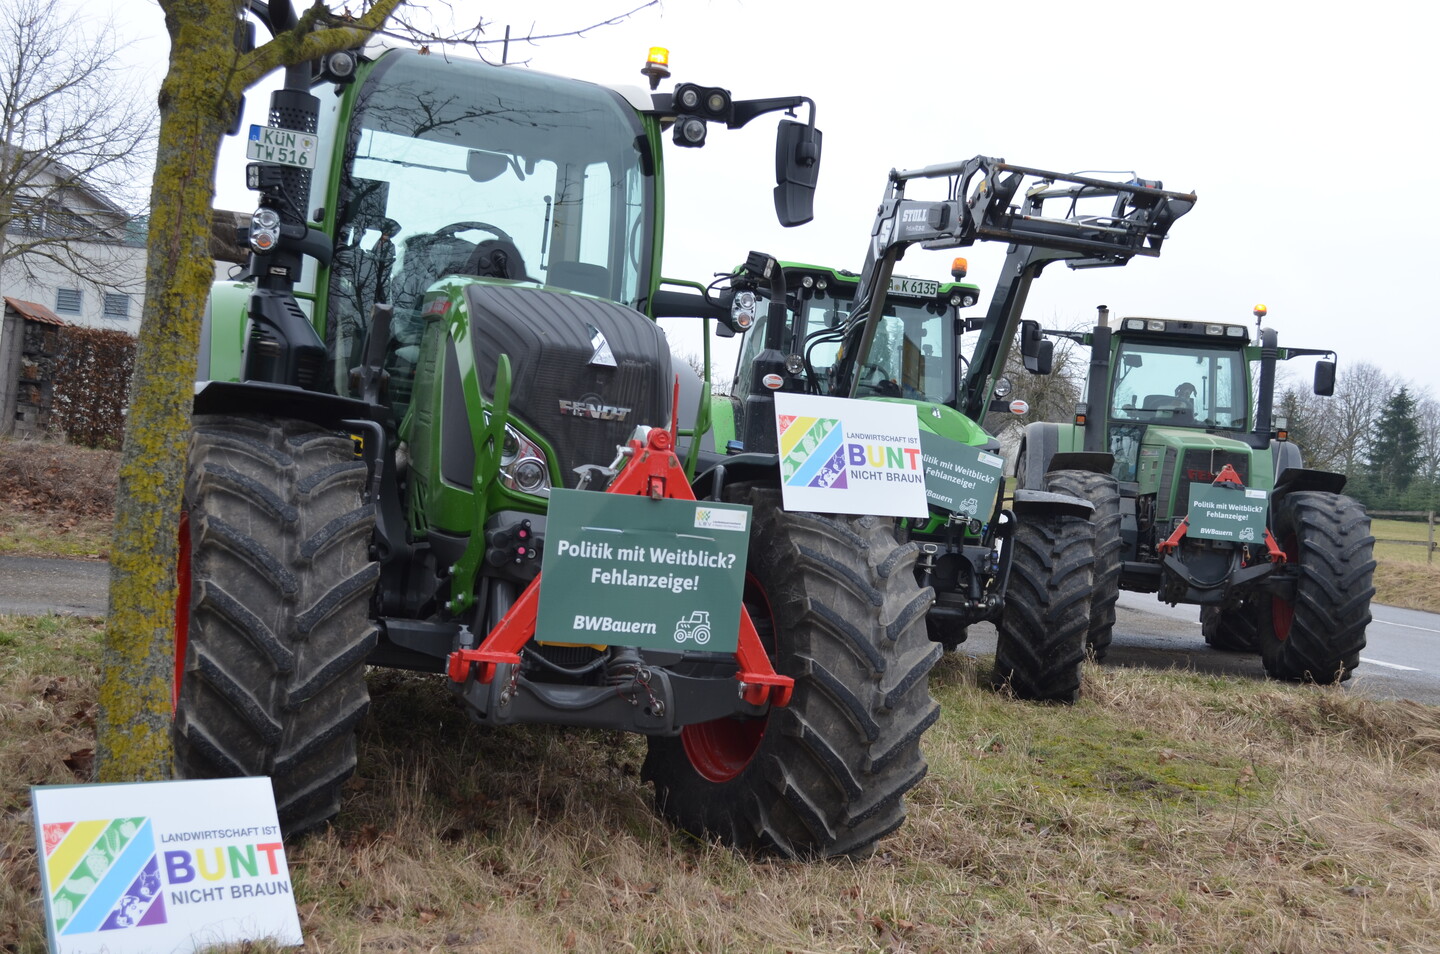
(75, 144)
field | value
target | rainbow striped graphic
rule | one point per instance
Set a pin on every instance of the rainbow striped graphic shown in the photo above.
(103, 875)
(812, 452)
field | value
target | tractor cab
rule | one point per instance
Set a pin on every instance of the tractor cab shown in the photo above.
(1174, 374)
(438, 178)
(913, 356)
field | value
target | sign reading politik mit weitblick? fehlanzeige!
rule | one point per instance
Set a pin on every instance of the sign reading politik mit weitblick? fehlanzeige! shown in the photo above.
(625, 570)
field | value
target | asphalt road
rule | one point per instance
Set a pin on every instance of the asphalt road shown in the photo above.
(35, 587)
(1401, 660)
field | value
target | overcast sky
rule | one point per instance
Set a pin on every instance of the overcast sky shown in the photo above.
(1307, 130)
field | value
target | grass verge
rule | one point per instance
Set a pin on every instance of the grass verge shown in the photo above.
(1165, 812)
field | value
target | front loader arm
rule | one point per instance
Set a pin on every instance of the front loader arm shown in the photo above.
(981, 206)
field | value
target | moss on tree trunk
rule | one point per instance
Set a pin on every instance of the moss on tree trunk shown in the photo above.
(198, 100)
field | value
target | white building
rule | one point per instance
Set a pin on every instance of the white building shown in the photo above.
(70, 249)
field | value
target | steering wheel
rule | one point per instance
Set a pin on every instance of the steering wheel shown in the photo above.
(497, 257)
(450, 230)
(885, 387)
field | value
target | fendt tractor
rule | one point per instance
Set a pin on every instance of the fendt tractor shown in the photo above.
(1213, 504)
(1027, 567)
(449, 320)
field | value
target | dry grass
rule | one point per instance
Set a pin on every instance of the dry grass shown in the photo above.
(55, 499)
(1403, 576)
(1166, 812)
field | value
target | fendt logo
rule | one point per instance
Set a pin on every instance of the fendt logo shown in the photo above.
(590, 407)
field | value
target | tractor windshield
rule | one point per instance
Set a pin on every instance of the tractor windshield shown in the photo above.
(911, 356)
(1180, 385)
(460, 167)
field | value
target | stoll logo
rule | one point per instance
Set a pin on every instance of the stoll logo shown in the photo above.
(104, 875)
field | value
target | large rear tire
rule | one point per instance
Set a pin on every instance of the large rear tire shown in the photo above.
(1104, 493)
(1318, 637)
(1042, 630)
(1232, 629)
(835, 600)
(274, 622)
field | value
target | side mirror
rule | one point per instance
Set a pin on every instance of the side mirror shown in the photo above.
(484, 166)
(1325, 378)
(797, 169)
(1037, 351)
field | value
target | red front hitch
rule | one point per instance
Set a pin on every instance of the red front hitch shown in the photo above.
(654, 471)
(1226, 477)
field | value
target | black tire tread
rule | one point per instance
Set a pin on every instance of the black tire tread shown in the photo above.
(280, 617)
(1332, 599)
(1041, 635)
(1104, 493)
(1232, 629)
(834, 765)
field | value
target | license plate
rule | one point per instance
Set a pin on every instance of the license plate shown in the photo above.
(916, 287)
(283, 147)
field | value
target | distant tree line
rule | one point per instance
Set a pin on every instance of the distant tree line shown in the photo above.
(1380, 431)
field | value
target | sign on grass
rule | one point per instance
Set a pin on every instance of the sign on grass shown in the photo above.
(626, 570)
(152, 867)
(846, 456)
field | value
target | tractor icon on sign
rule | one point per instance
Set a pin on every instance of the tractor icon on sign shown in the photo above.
(696, 627)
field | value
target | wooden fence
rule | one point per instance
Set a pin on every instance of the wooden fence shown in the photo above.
(1429, 516)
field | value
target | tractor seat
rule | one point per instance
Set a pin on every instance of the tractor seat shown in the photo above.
(580, 277)
(1167, 407)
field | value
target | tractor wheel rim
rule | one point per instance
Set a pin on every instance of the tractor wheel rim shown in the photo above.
(1282, 611)
(182, 607)
(721, 749)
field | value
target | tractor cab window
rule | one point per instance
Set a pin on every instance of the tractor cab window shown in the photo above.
(1179, 386)
(910, 357)
(457, 167)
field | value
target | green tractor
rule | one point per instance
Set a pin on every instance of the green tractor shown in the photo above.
(448, 321)
(1210, 503)
(1027, 567)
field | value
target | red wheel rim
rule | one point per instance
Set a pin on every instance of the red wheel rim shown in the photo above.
(721, 749)
(182, 607)
(1282, 611)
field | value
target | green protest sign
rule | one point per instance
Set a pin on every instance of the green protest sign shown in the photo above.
(630, 571)
(1227, 513)
(959, 477)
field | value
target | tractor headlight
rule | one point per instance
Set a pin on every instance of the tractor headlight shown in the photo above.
(264, 230)
(690, 131)
(523, 466)
(743, 310)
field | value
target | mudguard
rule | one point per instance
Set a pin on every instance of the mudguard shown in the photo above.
(279, 400)
(1043, 501)
(1302, 478)
(1041, 452)
(1284, 456)
(736, 468)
